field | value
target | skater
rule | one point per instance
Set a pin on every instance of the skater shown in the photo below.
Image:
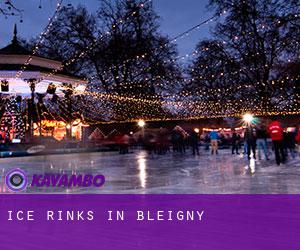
(250, 139)
(276, 134)
(235, 139)
(214, 141)
(194, 140)
(261, 135)
(206, 141)
(289, 138)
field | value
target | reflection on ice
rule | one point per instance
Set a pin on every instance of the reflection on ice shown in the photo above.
(252, 165)
(142, 167)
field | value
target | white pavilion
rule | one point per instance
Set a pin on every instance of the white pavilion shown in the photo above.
(24, 75)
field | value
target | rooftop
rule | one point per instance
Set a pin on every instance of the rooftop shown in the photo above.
(14, 55)
(15, 47)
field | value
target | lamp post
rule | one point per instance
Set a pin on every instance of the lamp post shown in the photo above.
(68, 91)
(32, 84)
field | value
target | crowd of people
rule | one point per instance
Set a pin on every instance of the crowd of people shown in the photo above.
(284, 141)
(254, 140)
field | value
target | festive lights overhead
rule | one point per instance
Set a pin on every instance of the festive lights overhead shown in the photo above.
(41, 38)
(186, 104)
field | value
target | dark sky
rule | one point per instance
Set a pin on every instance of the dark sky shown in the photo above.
(176, 17)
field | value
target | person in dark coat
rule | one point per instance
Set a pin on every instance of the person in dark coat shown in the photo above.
(235, 139)
(290, 143)
(194, 140)
(261, 136)
(250, 139)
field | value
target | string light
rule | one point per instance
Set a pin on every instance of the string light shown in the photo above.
(40, 39)
(95, 43)
(185, 103)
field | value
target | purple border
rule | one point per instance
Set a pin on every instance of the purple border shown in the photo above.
(230, 222)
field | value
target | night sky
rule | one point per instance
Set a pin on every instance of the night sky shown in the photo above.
(176, 17)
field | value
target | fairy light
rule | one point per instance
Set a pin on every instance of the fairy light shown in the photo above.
(187, 101)
(41, 38)
(91, 46)
(203, 109)
(174, 39)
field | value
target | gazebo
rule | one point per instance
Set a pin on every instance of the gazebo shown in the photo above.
(25, 76)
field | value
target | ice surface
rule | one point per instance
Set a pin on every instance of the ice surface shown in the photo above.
(141, 173)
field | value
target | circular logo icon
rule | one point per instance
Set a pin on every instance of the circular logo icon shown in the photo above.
(16, 180)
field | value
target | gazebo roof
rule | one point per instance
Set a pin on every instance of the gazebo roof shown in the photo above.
(14, 48)
(13, 59)
(14, 55)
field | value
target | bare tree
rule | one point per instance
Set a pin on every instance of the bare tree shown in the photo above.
(120, 49)
(250, 44)
(9, 8)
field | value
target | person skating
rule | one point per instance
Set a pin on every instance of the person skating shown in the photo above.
(276, 134)
(250, 139)
(289, 138)
(235, 139)
(214, 141)
(207, 141)
(194, 140)
(261, 136)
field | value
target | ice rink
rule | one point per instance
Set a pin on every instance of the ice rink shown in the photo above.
(141, 173)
